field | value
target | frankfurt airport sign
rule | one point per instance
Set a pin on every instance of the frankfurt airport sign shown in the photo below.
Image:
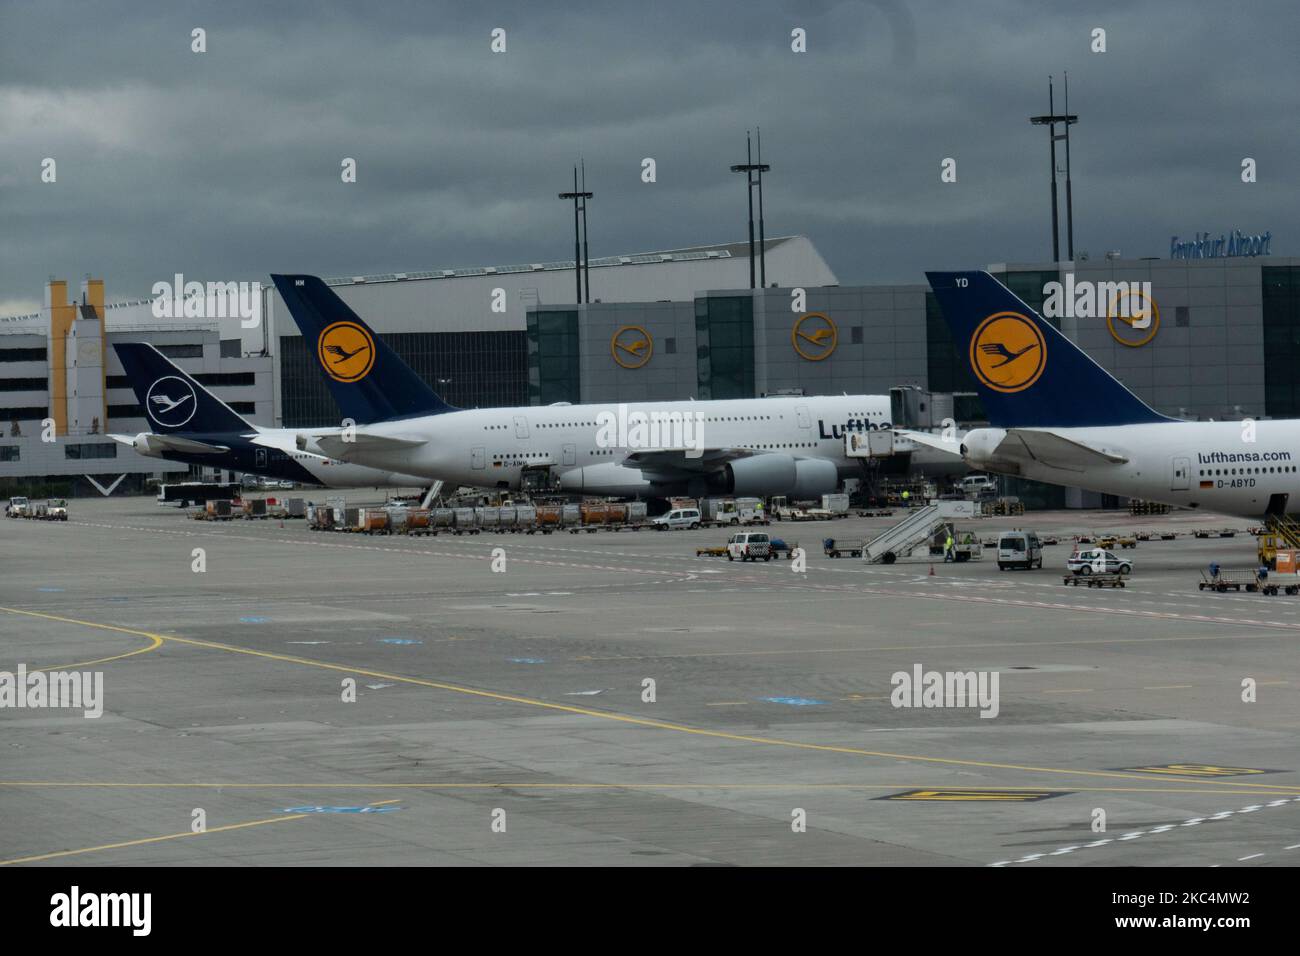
(1205, 246)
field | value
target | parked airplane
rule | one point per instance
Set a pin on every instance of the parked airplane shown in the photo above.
(770, 446)
(1059, 417)
(193, 426)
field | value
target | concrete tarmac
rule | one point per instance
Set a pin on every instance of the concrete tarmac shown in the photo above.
(612, 699)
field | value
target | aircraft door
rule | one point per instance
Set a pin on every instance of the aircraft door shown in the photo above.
(521, 426)
(802, 416)
(569, 455)
(476, 457)
(1180, 474)
(259, 458)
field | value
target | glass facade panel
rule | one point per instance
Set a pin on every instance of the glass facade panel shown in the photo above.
(724, 332)
(182, 351)
(22, 384)
(553, 362)
(22, 355)
(1281, 315)
(81, 451)
(23, 413)
(1028, 286)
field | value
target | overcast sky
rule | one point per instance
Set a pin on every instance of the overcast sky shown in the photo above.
(226, 165)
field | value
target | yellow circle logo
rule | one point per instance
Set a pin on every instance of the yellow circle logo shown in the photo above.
(1140, 325)
(631, 346)
(346, 352)
(1008, 352)
(814, 336)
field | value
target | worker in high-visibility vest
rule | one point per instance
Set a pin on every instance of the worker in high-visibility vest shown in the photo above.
(947, 548)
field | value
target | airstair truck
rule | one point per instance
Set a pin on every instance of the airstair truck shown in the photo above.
(899, 541)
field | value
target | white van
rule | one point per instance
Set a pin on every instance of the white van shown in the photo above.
(678, 518)
(1019, 549)
(749, 546)
(978, 485)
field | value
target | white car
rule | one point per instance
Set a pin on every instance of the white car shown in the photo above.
(749, 546)
(678, 518)
(1098, 561)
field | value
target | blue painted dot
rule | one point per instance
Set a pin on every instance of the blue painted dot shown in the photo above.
(526, 660)
(50, 590)
(254, 620)
(398, 640)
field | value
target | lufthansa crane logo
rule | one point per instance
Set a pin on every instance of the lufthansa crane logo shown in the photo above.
(631, 346)
(346, 351)
(1008, 352)
(814, 336)
(171, 401)
(1138, 318)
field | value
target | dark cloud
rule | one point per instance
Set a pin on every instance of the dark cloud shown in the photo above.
(226, 164)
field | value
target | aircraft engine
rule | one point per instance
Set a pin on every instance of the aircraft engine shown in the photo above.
(814, 477)
(759, 476)
(605, 479)
(979, 445)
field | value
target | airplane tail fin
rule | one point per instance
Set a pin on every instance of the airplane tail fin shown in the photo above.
(367, 378)
(1029, 375)
(172, 400)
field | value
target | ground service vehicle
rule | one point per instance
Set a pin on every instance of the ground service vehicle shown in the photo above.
(749, 546)
(1019, 549)
(678, 518)
(1099, 561)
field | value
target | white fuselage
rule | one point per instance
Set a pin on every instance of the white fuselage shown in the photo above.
(271, 452)
(493, 447)
(1227, 467)
(331, 472)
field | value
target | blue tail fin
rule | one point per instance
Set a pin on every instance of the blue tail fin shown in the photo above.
(172, 400)
(1029, 374)
(368, 380)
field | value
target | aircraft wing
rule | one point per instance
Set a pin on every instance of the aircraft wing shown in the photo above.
(1031, 444)
(335, 445)
(674, 463)
(185, 446)
(1055, 451)
(927, 440)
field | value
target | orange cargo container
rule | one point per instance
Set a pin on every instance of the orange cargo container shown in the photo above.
(1286, 561)
(374, 520)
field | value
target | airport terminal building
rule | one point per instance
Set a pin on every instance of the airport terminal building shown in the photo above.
(1213, 338)
(63, 391)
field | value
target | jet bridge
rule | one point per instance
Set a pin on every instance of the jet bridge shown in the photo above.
(900, 540)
